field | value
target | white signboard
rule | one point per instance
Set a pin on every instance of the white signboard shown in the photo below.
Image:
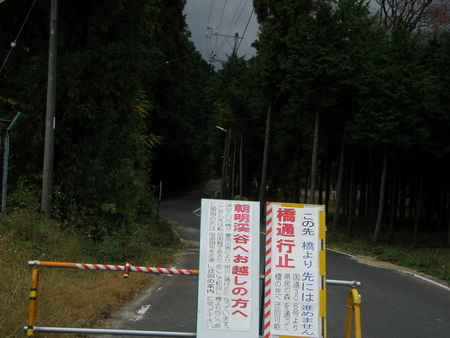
(228, 298)
(294, 304)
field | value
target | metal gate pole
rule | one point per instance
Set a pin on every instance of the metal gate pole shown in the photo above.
(115, 332)
(353, 306)
(32, 312)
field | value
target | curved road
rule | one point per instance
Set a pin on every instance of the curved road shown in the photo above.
(395, 303)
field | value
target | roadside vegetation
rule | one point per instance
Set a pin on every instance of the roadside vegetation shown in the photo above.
(349, 104)
(430, 258)
(77, 298)
(69, 297)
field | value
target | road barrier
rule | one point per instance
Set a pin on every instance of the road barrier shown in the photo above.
(353, 300)
(353, 307)
(127, 268)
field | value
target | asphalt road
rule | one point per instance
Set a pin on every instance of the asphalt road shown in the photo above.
(395, 302)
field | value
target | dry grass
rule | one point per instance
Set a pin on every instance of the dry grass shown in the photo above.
(67, 298)
(83, 298)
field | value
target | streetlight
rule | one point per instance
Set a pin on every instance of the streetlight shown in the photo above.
(220, 128)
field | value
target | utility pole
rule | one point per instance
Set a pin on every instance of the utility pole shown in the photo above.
(224, 164)
(47, 174)
(236, 37)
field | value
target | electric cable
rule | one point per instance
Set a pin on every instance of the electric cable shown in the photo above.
(232, 25)
(13, 44)
(215, 45)
(181, 57)
(235, 20)
(245, 30)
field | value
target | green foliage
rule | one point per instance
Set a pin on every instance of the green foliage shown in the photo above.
(431, 257)
(137, 105)
(393, 94)
(124, 114)
(25, 236)
(238, 104)
(435, 58)
(181, 116)
(379, 88)
(108, 235)
(134, 241)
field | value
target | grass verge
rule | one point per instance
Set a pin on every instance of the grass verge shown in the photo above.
(430, 256)
(70, 298)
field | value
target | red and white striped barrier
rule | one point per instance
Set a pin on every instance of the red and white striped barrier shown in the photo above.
(268, 273)
(126, 268)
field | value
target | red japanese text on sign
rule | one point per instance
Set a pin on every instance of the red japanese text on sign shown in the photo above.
(294, 246)
(231, 284)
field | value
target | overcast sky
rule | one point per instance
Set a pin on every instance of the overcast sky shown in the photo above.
(224, 18)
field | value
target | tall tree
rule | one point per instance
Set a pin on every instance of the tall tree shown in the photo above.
(122, 66)
(178, 72)
(416, 15)
(235, 99)
(275, 18)
(317, 67)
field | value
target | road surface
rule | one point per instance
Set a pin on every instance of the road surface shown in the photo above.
(395, 303)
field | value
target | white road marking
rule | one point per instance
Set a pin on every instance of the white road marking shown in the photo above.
(196, 212)
(340, 252)
(143, 310)
(140, 313)
(427, 280)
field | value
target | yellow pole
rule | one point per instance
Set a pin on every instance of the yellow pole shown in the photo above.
(32, 312)
(353, 306)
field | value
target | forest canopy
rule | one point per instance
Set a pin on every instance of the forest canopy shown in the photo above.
(345, 103)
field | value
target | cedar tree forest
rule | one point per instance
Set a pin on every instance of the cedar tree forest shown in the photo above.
(345, 103)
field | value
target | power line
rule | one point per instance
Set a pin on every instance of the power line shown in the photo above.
(214, 47)
(234, 19)
(231, 28)
(13, 44)
(170, 61)
(221, 16)
(245, 30)
(211, 6)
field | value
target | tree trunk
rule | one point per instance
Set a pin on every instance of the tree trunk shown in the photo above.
(226, 190)
(262, 188)
(321, 182)
(233, 171)
(223, 182)
(371, 201)
(312, 198)
(448, 237)
(412, 200)
(448, 227)
(352, 196)
(381, 200)
(442, 203)
(394, 203)
(362, 212)
(328, 187)
(339, 191)
(419, 205)
(295, 194)
(402, 197)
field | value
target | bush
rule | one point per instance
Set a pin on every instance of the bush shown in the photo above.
(71, 298)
